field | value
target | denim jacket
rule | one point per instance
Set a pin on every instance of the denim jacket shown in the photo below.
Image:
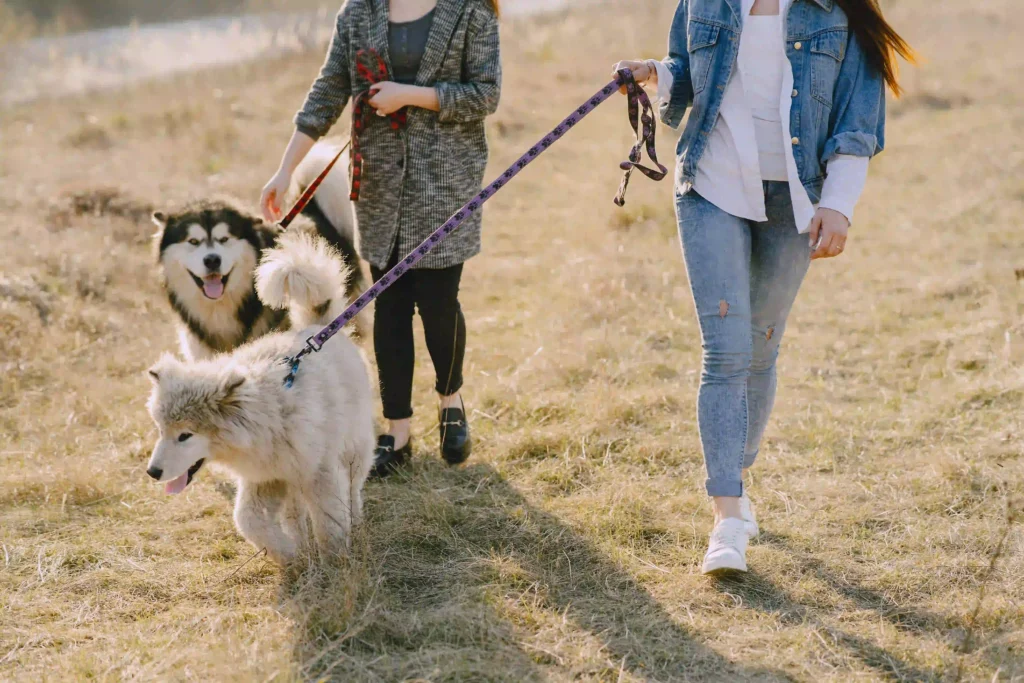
(838, 97)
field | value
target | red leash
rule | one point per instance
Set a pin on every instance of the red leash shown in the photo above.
(375, 72)
(307, 196)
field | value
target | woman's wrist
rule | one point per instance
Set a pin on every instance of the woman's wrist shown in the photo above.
(424, 97)
(652, 71)
(297, 149)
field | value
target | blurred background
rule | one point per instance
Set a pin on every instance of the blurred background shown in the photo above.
(76, 15)
(567, 549)
(61, 47)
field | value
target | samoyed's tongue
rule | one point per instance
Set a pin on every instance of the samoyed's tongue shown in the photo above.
(213, 286)
(178, 485)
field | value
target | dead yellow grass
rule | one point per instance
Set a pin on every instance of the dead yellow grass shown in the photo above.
(568, 549)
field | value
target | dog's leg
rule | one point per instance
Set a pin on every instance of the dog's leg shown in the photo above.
(329, 508)
(257, 516)
(296, 519)
(355, 498)
(358, 465)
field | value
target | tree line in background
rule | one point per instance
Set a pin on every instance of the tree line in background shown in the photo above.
(20, 17)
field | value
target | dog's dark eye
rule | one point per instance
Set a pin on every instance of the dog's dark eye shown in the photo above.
(194, 242)
(184, 437)
(223, 240)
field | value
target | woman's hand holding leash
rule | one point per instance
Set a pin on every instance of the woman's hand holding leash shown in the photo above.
(273, 194)
(828, 233)
(643, 72)
(275, 191)
(387, 97)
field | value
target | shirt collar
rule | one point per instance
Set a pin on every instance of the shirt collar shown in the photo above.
(784, 6)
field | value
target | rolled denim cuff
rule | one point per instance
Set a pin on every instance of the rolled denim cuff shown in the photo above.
(680, 94)
(724, 488)
(665, 81)
(851, 143)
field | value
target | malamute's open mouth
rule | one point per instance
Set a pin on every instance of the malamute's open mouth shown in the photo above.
(212, 285)
(178, 485)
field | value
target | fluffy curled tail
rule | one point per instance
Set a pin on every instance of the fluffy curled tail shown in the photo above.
(305, 275)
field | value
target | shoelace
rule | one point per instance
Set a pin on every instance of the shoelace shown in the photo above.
(725, 535)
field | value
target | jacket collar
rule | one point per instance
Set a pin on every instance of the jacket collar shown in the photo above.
(741, 8)
(446, 18)
(824, 4)
(378, 34)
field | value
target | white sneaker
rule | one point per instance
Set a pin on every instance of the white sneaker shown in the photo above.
(749, 518)
(727, 549)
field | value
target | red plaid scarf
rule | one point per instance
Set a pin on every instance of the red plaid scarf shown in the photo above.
(375, 72)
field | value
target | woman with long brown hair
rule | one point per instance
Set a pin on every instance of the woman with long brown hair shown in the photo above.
(787, 105)
(431, 72)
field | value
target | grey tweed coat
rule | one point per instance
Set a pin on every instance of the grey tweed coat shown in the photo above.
(415, 178)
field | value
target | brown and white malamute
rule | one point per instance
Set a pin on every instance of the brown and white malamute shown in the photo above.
(208, 253)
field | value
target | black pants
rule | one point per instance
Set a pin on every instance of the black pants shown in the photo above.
(436, 294)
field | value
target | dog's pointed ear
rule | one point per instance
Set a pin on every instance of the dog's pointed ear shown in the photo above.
(231, 382)
(161, 367)
(160, 219)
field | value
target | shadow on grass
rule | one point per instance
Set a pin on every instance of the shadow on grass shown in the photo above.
(759, 593)
(465, 580)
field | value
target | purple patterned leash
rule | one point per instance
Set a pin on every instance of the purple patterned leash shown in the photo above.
(643, 126)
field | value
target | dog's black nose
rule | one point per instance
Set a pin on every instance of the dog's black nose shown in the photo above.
(155, 472)
(212, 262)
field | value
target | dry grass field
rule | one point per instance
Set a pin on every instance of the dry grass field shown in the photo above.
(569, 547)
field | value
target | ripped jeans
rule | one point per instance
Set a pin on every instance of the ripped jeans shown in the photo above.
(744, 277)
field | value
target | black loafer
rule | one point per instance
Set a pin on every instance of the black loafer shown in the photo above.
(386, 459)
(456, 444)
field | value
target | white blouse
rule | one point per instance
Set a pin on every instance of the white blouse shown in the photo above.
(750, 143)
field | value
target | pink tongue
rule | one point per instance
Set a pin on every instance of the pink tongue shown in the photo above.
(178, 485)
(213, 287)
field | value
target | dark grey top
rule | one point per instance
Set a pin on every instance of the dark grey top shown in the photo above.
(407, 42)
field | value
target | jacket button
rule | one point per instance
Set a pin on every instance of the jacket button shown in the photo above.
(798, 46)
(795, 93)
(795, 141)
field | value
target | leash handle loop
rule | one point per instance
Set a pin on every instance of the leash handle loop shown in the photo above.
(644, 128)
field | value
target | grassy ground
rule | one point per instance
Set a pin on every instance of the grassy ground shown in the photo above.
(569, 548)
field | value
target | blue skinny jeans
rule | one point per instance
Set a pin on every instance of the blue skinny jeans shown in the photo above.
(744, 276)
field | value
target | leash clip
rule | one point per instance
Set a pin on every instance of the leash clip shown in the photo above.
(294, 361)
(289, 379)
